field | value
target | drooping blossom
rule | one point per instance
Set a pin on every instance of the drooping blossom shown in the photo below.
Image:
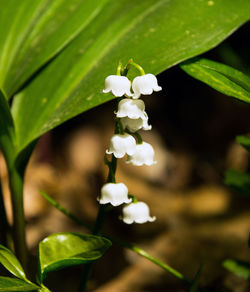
(145, 84)
(118, 85)
(137, 212)
(114, 193)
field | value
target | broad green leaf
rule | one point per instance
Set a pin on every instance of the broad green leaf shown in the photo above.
(194, 287)
(6, 129)
(156, 33)
(33, 32)
(14, 285)
(237, 267)
(219, 76)
(239, 181)
(244, 141)
(11, 263)
(68, 249)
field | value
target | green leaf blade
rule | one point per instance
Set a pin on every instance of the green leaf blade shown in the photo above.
(223, 78)
(14, 285)
(244, 141)
(36, 33)
(157, 34)
(11, 263)
(239, 181)
(239, 268)
(7, 132)
(68, 249)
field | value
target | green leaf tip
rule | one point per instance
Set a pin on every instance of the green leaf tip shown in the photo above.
(237, 267)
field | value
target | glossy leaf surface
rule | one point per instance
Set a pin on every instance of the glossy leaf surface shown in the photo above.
(14, 285)
(221, 77)
(32, 32)
(11, 263)
(156, 33)
(61, 250)
(239, 181)
(237, 267)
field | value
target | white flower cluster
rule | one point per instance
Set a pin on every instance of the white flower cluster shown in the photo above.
(132, 117)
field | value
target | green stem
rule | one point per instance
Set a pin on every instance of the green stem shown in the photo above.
(16, 188)
(137, 135)
(119, 69)
(98, 224)
(65, 211)
(137, 66)
(146, 255)
(4, 226)
(122, 243)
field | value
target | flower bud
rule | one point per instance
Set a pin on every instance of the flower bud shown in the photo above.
(144, 84)
(144, 154)
(121, 145)
(114, 193)
(136, 213)
(118, 85)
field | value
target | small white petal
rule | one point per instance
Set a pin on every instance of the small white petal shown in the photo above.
(114, 193)
(121, 145)
(134, 109)
(144, 154)
(137, 213)
(134, 125)
(144, 84)
(118, 85)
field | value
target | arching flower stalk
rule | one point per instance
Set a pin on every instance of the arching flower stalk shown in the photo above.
(130, 118)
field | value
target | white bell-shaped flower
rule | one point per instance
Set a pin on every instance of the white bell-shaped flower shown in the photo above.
(144, 154)
(134, 109)
(118, 85)
(115, 194)
(134, 125)
(137, 212)
(145, 84)
(121, 145)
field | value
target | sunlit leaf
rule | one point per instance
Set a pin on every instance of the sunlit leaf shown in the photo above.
(219, 76)
(239, 181)
(11, 263)
(239, 268)
(32, 32)
(156, 33)
(61, 250)
(14, 285)
(244, 141)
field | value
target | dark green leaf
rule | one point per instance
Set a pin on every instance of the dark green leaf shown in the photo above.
(239, 181)
(237, 267)
(32, 32)
(67, 249)
(244, 141)
(6, 129)
(195, 283)
(11, 263)
(14, 285)
(156, 33)
(219, 76)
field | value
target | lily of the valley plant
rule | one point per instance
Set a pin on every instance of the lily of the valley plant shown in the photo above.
(130, 118)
